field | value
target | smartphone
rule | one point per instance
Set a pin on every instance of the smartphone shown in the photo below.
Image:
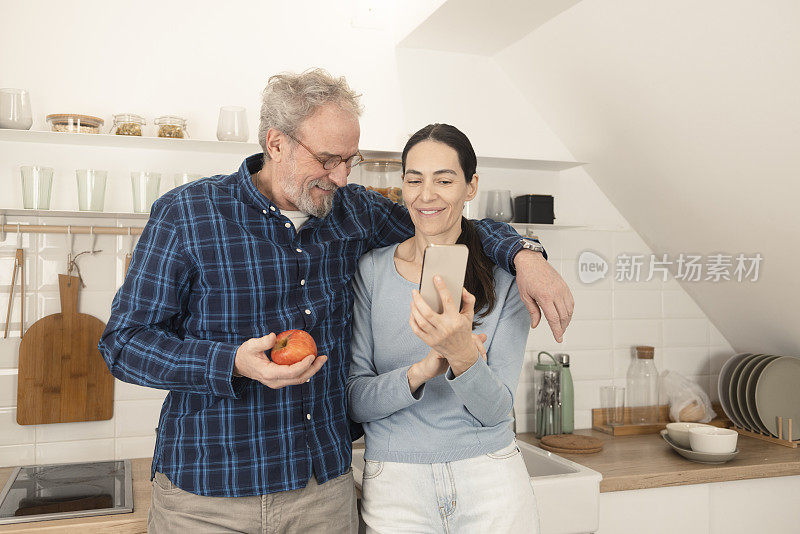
(449, 262)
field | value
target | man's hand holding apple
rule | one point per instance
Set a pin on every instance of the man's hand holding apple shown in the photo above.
(251, 361)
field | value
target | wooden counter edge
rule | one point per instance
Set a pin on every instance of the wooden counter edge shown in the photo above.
(683, 478)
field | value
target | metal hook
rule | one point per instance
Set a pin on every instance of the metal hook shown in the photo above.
(94, 239)
(71, 242)
(130, 240)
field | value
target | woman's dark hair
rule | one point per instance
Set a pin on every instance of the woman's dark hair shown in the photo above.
(479, 279)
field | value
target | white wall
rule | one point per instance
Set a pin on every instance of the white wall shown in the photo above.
(688, 113)
(611, 317)
(188, 58)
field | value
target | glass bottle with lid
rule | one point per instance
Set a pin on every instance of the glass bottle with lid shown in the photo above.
(642, 388)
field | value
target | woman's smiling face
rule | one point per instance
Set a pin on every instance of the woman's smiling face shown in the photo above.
(434, 188)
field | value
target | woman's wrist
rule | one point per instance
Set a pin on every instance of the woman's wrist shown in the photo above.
(415, 377)
(463, 361)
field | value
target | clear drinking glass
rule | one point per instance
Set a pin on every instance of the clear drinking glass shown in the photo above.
(232, 124)
(185, 177)
(612, 400)
(37, 182)
(91, 189)
(145, 186)
(15, 109)
(498, 205)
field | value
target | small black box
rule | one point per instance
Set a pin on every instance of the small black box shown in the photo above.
(534, 209)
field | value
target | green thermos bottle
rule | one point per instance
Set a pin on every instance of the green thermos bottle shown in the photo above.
(567, 395)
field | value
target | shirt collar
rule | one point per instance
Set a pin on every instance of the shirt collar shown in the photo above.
(254, 197)
(249, 191)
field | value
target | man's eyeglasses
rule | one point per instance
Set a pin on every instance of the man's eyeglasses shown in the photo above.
(331, 162)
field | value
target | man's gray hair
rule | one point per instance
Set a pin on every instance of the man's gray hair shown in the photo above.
(290, 98)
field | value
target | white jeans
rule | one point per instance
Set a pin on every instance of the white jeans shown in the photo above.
(491, 493)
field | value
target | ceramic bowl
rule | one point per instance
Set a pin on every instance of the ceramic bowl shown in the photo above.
(679, 432)
(713, 439)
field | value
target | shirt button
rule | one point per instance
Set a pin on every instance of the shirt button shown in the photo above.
(272, 208)
(288, 225)
(308, 312)
(299, 249)
(264, 212)
(308, 416)
(303, 282)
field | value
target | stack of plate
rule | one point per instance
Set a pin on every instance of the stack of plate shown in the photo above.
(756, 389)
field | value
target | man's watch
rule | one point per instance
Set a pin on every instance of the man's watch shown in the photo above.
(530, 244)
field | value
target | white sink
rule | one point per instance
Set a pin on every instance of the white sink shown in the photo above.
(568, 494)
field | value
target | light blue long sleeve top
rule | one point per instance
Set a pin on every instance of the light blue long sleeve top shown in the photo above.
(448, 418)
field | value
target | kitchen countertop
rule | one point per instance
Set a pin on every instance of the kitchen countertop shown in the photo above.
(626, 463)
(646, 461)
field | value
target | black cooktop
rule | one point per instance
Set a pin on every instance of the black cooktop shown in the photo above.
(58, 491)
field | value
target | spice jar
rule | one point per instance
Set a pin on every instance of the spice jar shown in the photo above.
(128, 124)
(74, 123)
(171, 126)
(383, 176)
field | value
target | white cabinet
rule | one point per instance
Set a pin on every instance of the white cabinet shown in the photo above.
(738, 507)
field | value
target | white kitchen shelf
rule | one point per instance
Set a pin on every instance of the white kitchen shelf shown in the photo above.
(144, 216)
(593, 227)
(230, 147)
(76, 214)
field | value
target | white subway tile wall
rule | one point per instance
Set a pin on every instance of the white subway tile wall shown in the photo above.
(610, 317)
(131, 432)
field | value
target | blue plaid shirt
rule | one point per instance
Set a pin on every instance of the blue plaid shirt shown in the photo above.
(216, 265)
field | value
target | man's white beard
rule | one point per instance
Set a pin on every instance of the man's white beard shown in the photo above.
(301, 197)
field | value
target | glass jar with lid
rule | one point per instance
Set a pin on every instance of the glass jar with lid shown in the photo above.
(74, 123)
(383, 176)
(127, 124)
(171, 126)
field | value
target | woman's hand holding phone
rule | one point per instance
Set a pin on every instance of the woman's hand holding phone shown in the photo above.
(449, 333)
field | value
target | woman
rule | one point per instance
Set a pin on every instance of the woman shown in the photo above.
(440, 453)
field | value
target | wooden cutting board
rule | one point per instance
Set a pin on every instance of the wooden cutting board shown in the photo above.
(62, 376)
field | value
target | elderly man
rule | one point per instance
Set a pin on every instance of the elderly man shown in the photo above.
(244, 444)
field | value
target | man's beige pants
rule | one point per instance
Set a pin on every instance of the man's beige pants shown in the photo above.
(328, 507)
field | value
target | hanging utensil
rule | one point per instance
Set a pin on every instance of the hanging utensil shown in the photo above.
(129, 255)
(19, 265)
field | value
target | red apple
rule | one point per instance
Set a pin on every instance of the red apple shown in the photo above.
(292, 346)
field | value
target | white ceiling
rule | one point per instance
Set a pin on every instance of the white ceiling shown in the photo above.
(480, 27)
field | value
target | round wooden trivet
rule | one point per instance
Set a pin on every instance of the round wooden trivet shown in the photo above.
(572, 443)
(570, 451)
